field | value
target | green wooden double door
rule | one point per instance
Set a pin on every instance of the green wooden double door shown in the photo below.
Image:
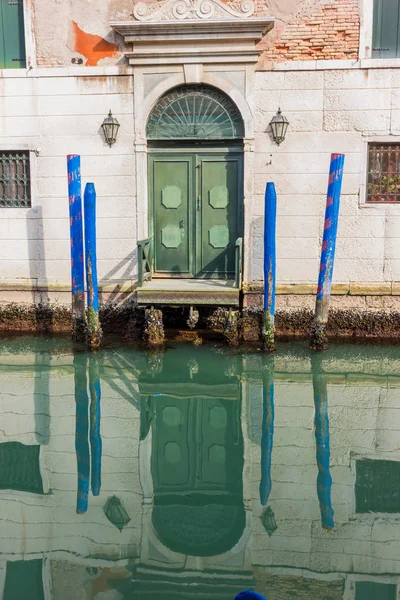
(196, 211)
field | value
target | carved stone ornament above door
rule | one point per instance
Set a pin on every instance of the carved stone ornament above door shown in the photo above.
(192, 9)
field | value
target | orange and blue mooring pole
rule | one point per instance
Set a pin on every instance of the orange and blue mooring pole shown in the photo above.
(76, 243)
(94, 333)
(269, 267)
(318, 330)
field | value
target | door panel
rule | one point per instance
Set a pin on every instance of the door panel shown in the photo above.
(197, 214)
(219, 223)
(172, 198)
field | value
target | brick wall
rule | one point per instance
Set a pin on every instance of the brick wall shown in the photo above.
(331, 32)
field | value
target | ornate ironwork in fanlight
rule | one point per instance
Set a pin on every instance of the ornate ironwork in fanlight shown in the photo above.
(195, 112)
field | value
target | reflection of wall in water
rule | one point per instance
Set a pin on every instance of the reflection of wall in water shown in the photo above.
(364, 420)
(364, 423)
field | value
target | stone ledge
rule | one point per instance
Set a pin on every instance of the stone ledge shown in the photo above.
(386, 288)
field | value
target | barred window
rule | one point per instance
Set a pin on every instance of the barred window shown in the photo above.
(383, 184)
(15, 179)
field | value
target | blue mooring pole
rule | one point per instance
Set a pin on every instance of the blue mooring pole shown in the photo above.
(269, 267)
(249, 595)
(267, 435)
(318, 334)
(95, 416)
(76, 242)
(321, 425)
(94, 333)
(81, 433)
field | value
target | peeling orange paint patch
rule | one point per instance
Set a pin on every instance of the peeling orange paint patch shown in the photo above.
(93, 47)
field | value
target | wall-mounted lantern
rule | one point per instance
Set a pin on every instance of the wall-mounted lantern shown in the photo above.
(110, 127)
(279, 125)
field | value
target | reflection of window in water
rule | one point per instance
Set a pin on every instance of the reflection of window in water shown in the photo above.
(377, 486)
(19, 468)
(24, 580)
(368, 590)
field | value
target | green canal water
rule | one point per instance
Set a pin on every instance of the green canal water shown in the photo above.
(198, 472)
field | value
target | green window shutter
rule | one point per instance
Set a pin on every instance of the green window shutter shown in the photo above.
(12, 37)
(385, 37)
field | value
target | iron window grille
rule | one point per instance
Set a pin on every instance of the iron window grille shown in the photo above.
(383, 180)
(15, 179)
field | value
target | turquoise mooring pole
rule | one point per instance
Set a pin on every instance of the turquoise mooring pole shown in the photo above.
(76, 243)
(269, 267)
(321, 426)
(318, 334)
(95, 416)
(81, 432)
(267, 434)
(94, 333)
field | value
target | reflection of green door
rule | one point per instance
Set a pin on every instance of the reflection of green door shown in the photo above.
(197, 212)
(196, 445)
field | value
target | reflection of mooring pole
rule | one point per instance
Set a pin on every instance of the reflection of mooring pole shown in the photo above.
(81, 432)
(267, 434)
(95, 437)
(76, 242)
(321, 423)
(318, 339)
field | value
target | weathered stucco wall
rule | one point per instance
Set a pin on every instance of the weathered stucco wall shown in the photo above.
(79, 32)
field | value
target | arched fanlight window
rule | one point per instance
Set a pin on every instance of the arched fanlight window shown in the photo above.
(195, 112)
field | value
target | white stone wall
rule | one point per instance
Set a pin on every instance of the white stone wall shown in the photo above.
(329, 111)
(55, 114)
(60, 112)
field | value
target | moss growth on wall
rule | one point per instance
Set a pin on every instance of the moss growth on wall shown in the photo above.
(129, 319)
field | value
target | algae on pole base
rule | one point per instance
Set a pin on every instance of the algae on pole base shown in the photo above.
(94, 333)
(269, 267)
(318, 330)
(76, 243)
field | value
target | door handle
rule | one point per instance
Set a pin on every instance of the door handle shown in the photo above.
(198, 202)
(181, 224)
